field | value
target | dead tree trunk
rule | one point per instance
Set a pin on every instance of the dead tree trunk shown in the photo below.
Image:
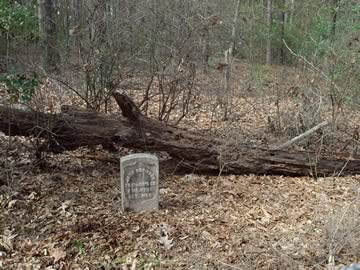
(193, 151)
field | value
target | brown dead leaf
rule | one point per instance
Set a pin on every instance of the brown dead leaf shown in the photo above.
(58, 254)
(6, 240)
(166, 242)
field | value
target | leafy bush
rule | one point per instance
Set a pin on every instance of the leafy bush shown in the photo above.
(17, 19)
(19, 86)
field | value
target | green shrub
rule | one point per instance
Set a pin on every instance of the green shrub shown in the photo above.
(18, 19)
(19, 86)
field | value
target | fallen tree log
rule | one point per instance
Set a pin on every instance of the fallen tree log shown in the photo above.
(194, 152)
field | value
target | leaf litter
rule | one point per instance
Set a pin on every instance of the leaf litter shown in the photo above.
(209, 222)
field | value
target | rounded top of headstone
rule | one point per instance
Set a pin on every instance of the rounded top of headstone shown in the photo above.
(138, 156)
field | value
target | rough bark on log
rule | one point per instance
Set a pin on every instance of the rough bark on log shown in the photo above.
(195, 152)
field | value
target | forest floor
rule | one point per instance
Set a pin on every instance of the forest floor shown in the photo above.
(67, 214)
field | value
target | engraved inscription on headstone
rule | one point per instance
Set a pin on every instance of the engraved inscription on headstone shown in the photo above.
(139, 182)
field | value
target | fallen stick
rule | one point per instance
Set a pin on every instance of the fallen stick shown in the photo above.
(301, 136)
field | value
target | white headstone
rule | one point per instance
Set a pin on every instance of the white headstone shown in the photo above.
(139, 182)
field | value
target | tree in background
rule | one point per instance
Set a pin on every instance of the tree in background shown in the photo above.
(96, 45)
(282, 30)
(228, 60)
(269, 26)
(334, 9)
(48, 35)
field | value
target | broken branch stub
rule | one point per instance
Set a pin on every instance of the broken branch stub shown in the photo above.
(127, 106)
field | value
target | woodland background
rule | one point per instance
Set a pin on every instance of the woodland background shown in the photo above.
(249, 73)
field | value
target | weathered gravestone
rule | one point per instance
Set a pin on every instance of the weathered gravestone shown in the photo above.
(139, 182)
